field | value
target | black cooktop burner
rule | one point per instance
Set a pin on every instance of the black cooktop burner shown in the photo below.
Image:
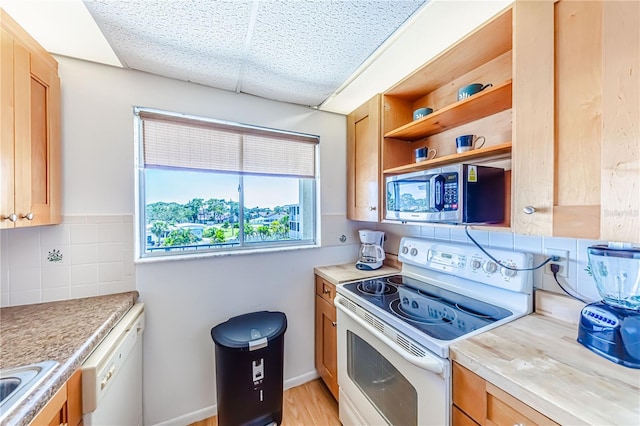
(437, 312)
(377, 287)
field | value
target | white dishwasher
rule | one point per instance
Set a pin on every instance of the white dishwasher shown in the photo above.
(112, 375)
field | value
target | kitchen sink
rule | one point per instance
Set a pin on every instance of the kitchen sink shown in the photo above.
(16, 383)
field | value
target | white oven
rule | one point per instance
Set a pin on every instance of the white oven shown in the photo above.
(384, 377)
(394, 332)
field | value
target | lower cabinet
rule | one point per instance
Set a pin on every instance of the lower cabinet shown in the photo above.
(326, 353)
(65, 407)
(478, 402)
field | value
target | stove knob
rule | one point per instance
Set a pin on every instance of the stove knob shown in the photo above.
(405, 250)
(476, 264)
(490, 267)
(508, 273)
(414, 251)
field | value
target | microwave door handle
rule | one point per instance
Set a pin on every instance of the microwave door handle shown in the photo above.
(438, 193)
(432, 192)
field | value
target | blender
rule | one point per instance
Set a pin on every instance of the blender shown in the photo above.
(371, 252)
(611, 327)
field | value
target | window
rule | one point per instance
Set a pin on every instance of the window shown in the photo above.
(210, 185)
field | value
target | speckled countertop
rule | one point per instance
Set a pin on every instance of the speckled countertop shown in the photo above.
(65, 331)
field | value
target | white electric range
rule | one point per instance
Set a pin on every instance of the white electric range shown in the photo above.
(394, 332)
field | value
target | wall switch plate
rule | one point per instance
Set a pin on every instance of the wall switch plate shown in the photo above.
(563, 262)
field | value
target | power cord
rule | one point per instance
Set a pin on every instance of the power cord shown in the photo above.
(555, 268)
(549, 259)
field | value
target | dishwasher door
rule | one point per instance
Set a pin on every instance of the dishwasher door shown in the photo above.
(112, 375)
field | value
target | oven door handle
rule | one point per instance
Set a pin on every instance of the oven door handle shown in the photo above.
(429, 363)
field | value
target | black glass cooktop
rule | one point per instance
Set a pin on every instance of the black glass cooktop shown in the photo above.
(437, 312)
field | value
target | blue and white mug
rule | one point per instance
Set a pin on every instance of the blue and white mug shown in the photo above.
(466, 143)
(421, 112)
(471, 89)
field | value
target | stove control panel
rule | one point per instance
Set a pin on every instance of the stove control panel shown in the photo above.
(504, 268)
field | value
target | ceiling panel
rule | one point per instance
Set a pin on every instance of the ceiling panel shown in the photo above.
(292, 51)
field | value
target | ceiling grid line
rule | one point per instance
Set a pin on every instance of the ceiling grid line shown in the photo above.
(247, 45)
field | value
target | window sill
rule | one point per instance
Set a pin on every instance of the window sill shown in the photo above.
(205, 255)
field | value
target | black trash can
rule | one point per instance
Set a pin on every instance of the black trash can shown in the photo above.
(249, 368)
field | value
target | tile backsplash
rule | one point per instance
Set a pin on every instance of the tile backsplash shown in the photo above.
(86, 255)
(577, 282)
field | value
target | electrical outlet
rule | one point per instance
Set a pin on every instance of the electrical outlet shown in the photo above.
(563, 262)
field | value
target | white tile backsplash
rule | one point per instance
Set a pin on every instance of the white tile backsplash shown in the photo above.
(578, 281)
(84, 233)
(86, 255)
(56, 276)
(82, 254)
(501, 240)
(84, 274)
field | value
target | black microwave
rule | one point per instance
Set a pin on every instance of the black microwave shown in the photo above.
(461, 193)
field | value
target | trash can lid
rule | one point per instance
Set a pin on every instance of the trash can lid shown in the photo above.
(238, 332)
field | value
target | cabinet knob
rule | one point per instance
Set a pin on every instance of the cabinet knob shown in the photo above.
(326, 291)
(28, 216)
(372, 208)
(12, 217)
(529, 210)
(334, 323)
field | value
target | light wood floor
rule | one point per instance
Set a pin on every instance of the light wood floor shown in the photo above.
(309, 404)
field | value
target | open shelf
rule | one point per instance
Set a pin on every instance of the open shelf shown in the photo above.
(495, 151)
(483, 104)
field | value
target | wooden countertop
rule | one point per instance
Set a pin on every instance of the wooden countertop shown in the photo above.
(338, 274)
(538, 360)
(65, 331)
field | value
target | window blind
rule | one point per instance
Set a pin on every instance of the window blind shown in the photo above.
(181, 142)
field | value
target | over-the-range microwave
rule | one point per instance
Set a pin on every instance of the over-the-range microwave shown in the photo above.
(461, 194)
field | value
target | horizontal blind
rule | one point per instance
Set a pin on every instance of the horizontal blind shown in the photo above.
(193, 144)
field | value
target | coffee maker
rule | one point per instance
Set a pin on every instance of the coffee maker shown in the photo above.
(371, 252)
(611, 327)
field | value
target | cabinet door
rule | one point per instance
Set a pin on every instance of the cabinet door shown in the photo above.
(576, 107)
(30, 136)
(37, 139)
(74, 399)
(364, 202)
(6, 131)
(55, 412)
(533, 150)
(620, 218)
(326, 344)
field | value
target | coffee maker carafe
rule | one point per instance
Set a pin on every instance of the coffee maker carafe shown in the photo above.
(611, 327)
(371, 251)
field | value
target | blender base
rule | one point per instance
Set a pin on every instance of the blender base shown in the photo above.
(611, 332)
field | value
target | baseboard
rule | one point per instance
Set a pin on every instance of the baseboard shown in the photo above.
(301, 379)
(212, 410)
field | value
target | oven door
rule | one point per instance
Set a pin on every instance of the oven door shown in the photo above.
(384, 382)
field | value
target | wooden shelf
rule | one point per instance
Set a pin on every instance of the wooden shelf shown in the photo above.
(483, 104)
(495, 151)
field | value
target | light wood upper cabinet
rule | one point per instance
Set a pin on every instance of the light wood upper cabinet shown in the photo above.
(364, 162)
(576, 147)
(30, 135)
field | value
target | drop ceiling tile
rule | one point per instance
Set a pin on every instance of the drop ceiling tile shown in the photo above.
(292, 51)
